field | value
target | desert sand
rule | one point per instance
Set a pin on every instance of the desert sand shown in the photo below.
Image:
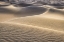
(31, 24)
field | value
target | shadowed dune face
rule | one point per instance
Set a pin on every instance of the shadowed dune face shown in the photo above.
(59, 7)
(10, 12)
(30, 11)
(6, 11)
(26, 11)
(12, 32)
(57, 11)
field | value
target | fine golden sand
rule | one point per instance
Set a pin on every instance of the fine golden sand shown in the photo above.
(30, 24)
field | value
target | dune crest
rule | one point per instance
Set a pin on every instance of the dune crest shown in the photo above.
(51, 19)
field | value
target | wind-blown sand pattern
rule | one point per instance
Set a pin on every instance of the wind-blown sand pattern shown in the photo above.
(12, 32)
(32, 24)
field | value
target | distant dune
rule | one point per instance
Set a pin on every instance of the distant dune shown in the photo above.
(11, 12)
(31, 24)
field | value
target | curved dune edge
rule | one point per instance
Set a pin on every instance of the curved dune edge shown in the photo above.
(10, 12)
(52, 19)
(41, 22)
(13, 32)
(53, 14)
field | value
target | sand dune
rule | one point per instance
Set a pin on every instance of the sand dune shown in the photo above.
(11, 12)
(13, 32)
(54, 14)
(7, 13)
(31, 24)
(51, 20)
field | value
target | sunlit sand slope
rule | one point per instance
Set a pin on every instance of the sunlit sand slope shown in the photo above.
(5, 17)
(14, 32)
(52, 19)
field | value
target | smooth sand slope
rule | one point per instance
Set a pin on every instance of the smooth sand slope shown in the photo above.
(13, 32)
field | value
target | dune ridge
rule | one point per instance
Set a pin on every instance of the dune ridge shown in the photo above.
(10, 12)
(41, 22)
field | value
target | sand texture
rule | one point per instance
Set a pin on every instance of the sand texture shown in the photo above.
(31, 24)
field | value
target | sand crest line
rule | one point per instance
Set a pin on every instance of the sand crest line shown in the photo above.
(28, 16)
(33, 26)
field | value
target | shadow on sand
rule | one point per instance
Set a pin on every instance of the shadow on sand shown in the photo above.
(27, 11)
(57, 11)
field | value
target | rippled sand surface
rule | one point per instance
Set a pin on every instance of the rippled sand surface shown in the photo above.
(32, 24)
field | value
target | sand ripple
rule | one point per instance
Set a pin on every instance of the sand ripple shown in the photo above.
(12, 32)
(32, 24)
